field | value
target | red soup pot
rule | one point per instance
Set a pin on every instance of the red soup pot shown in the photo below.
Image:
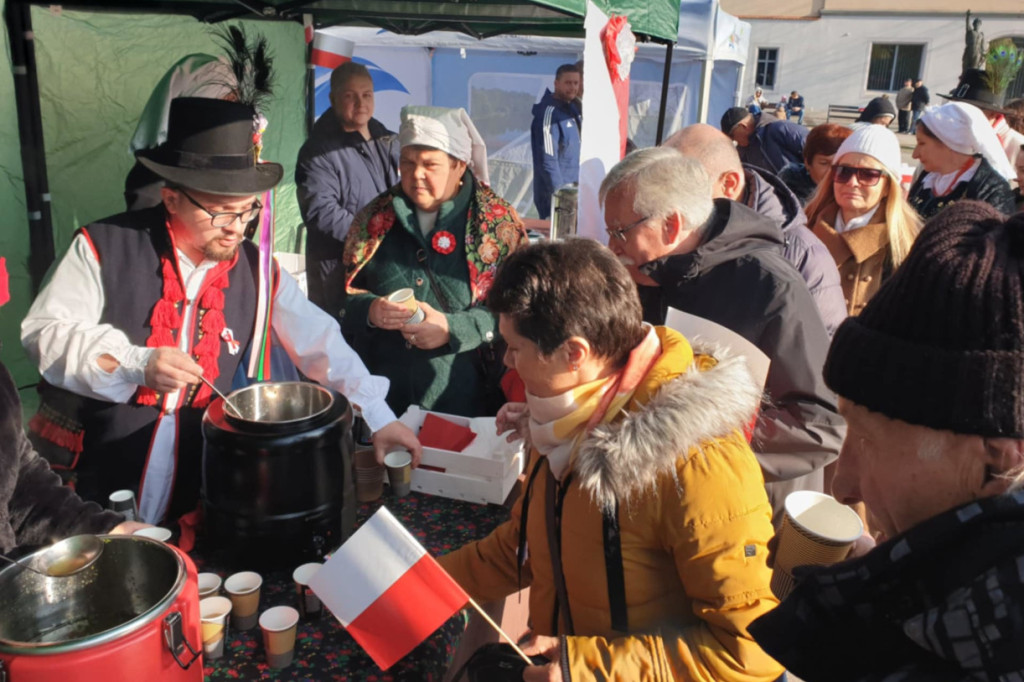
(132, 615)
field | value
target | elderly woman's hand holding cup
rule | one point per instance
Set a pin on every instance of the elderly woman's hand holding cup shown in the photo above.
(432, 332)
(387, 314)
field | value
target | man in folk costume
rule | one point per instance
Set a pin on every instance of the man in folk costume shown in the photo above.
(146, 302)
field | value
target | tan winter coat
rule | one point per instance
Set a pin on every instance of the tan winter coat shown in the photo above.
(862, 256)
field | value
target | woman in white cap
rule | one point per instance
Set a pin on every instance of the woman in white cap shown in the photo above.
(962, 159)
(861, 215)
(443, 233)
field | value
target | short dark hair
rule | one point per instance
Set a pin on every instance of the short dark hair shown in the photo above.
(341, 75)
(568, 68)
(556, 290)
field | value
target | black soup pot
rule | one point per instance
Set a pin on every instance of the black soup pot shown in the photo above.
(277, 476)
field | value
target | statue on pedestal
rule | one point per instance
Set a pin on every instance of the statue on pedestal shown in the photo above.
(974, 45)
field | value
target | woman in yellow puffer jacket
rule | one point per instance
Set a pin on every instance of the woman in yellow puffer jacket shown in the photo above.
(643, 526)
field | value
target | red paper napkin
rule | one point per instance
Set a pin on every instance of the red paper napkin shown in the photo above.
(442, 434)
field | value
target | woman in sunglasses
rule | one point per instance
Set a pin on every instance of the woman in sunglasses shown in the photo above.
(861, 215)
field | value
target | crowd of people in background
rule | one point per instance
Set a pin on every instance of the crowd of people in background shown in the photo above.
(653, 458)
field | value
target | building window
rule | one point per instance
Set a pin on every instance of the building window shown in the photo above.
(893, 64)
(767, 67)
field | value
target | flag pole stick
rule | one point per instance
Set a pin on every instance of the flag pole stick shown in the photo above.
(500, 631)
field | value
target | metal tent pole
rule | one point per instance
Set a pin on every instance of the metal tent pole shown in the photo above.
(18, 17)
(664, 92)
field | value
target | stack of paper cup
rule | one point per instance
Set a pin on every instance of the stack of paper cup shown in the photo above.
(407, 297)
(369, 475)
(213, 613)
(279, 625)
(244, 590)
(816, 530)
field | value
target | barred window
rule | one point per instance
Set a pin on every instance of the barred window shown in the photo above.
(893, 64)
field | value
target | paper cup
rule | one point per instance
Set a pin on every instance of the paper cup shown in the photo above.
(369, 476)
(213, 616)
(123, 502)
(279, 625)
(399, 466)
(816, 530)
(309, 603)
(417, 317)
(406, 297)
(244, 590)
(209, 585)
(156, 533)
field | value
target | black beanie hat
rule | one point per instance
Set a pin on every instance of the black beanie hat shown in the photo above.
(879, 106)
(732, 117)
(942, 343)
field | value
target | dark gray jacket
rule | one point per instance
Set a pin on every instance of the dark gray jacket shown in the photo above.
(770, 197)
(336, 175)
(739, 278)
(35, 509)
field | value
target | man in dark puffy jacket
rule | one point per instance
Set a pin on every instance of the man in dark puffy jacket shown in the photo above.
(349, 159)
(762, 191)
(720, 260)
(555, 137)
(764, 142)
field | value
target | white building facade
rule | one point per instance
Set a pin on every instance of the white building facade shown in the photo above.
(848, 52)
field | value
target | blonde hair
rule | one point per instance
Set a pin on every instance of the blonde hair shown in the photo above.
(901, 220)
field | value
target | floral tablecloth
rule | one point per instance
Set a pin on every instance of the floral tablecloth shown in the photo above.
(323, 650)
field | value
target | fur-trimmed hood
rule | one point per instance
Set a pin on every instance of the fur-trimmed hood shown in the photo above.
(712, 398)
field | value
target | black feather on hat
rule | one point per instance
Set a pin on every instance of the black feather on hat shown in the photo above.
(214, 145)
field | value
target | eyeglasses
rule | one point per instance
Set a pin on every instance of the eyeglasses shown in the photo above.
(226, 218)
(865, 176)
(620, 234)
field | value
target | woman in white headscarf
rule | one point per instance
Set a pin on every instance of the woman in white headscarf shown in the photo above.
(962, 159)
(441, 232)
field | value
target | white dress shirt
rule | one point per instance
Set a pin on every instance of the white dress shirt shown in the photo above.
(62, 333)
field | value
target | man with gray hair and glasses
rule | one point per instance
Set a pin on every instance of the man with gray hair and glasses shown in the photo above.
(720, 260)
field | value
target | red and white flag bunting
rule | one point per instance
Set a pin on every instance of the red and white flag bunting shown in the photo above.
(386, 590)
(330, 51)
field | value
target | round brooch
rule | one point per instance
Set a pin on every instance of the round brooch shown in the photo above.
(443, 242)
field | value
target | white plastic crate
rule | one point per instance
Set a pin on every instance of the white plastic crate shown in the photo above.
(484, 472)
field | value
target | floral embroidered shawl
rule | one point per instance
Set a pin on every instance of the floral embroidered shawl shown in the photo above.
(493, 231)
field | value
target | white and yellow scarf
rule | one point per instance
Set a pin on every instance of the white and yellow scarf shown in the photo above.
(559, 423)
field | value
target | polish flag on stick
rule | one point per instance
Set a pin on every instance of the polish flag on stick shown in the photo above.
(388, 592)
(330, 51)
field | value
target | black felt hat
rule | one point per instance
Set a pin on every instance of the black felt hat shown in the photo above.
(210, 148)
(973, 89)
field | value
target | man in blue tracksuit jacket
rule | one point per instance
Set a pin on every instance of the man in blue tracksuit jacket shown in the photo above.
(555, 137)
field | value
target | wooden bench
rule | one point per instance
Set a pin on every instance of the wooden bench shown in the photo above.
(843, 111)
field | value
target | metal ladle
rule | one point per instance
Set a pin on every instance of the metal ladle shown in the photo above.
(223, 397)
(65, 558)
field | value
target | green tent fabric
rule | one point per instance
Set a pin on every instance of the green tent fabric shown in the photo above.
(658, 19)
(96, 71)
